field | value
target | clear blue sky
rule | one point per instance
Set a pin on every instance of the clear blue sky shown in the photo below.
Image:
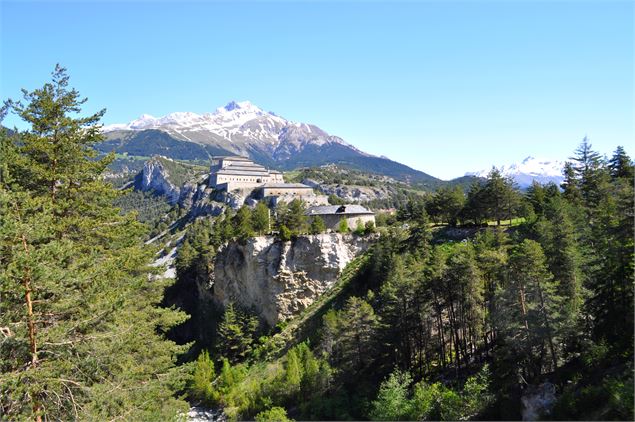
(445, 87)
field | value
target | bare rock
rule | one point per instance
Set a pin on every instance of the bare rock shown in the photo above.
(280, 279)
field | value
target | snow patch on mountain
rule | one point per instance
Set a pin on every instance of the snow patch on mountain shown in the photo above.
(530, 169)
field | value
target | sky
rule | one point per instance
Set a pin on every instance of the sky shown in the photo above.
(444, 87)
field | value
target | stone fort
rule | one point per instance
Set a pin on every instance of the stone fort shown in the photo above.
(231, 173)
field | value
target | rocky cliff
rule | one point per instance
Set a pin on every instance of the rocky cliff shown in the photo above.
(279, 279)
(155, 177)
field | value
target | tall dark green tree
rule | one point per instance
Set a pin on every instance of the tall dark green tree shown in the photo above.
(236, 334)
(529, 311)
(79, 305)
(621, 166)
(260, 218)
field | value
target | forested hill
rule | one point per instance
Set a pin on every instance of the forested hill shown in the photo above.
(490, 304)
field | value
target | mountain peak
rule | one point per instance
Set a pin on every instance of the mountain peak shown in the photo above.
(239, 105)
(529, 169)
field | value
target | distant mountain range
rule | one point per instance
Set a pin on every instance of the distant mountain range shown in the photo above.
(244, 129)
(530, 169)
(241, 128)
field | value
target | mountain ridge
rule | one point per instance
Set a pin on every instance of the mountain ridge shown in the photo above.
(528, 170)
(241, 128)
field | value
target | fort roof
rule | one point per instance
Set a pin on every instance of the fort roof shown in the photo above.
(338, 210)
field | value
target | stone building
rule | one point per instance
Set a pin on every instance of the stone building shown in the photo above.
(332, 214)
(275, 193)
(233, 172)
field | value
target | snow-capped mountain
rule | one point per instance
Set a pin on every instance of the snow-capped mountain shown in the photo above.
(233, 127)
(242, 128)
(530, 169)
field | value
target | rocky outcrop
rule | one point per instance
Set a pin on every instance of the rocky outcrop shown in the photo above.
(196, 197)
(279, 279)
(350, 193)
(154, 177)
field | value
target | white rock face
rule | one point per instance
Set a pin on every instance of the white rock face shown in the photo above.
(155, 177)
(279, 279)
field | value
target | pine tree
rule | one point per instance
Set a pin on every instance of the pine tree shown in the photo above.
(499, 196)
(295, 219)
(558, 237)
(242, 222)
(621, 166)
(343, 226)
(528, 311)
(77, 296)
(204, 374)
(293, 372)
(317, 225)
(260, 218)
(235, 334)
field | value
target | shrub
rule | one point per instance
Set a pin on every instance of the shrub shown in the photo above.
(285, 233)
(277, 414)
(343, 226)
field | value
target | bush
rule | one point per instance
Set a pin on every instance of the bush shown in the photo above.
(360, 229)
(201, 385)
(317, 226)
(275, 414)
(370, 227)
(343, 226)
(285, 233)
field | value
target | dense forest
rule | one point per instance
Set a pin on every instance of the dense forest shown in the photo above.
(467, 306)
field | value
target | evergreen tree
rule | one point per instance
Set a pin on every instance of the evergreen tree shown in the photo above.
(349, 335)
(260, 218)
(446, 205)
(475, 208)
(499, 196)
(392, 403)
(243, 223)
(77, 299)
(235, 334)
(204, 374)
(295, 219)
(591, 175)
(317, 225)
(293, 372)
(528, 311)
(621, 166)
(558, 238)
(343, 226)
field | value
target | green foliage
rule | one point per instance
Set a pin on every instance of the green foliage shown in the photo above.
(275, 414)
(285, 233)
(236, 333)
(343, 226)
(79, 304)
(149, 208)
(260, 218)
(293, 372)
(201, 388)
(360, 229)
(242, 222)
(392, 402)
(179, 172)
(446, 205)
(317, 225)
